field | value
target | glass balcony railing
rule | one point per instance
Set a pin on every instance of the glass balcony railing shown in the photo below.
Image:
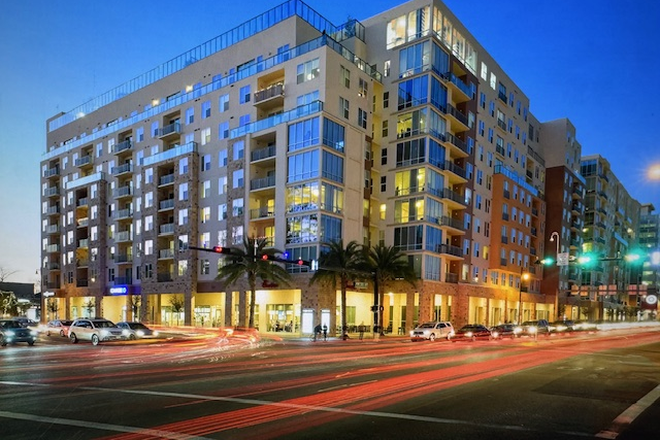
(291, 115)
(122, 146)
(263, 153)
(180, 150)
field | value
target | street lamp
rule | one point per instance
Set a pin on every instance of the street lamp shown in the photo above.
(523, 276)
(552, 238)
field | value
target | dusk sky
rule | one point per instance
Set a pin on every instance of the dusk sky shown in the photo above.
(596, 62)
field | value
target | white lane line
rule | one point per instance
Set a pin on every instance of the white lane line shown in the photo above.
(100, 426)
(629, 415)
(257, 402)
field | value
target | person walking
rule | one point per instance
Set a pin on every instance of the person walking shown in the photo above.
(325, 332)
(317, 331)
(361, 331)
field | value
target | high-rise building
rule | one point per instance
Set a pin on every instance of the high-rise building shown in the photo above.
(399, 130)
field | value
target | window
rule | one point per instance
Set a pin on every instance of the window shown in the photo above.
(333, 167)
(205, 215)
(362, 118)
(345, 77)
(385, 129)
(206, 162)
(307, 71)
(206, 109)
(243, 120)
(223, 103)
(183, 166)
(362, 88)
(205, 189)
(204, 267)
(239, 150)
(237, 179)
(223, 130)
(333, 134)
(386, 99)
(190, 115)
(303, 166)
(222, 158)
(183, 191)
(206, 135)
(344, 107)
(493, 81)
(222, 185)
(244, 94)
(307, 98)
(237, 207)
(304, 134)
(222, 211)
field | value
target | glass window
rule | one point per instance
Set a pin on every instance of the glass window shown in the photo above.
(303, 134)
(333, 135)
(307, 71)
(244, 94)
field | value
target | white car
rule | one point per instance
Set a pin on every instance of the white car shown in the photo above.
(95, 330)
(137, 330)
(432, 331)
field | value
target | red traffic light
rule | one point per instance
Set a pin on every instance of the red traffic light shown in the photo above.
(221, 250)
(300, 262)
(265, 257)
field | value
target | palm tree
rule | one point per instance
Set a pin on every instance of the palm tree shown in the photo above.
(387, 263)
(339, 265)
(249, 262)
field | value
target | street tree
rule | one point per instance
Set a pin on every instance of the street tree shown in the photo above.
(178, 304)
(387, 263)
(252, 262)
(337, 266)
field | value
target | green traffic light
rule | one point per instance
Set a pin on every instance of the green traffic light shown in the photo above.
(547, 261)
(635, 256)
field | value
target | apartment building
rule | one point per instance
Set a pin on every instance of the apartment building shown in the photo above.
(400, 129)
(610, 231)
(565, 193)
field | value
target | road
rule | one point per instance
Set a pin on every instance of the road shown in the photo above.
(597, 385)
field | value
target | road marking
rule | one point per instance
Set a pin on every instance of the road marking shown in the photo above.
(100, 426)
(258, 402)
(629, 415)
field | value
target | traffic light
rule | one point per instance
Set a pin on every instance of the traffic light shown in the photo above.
(221, 250)
(587, 260)
(635, 257)
(547, 261)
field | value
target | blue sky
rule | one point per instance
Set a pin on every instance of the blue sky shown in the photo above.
(596, 62)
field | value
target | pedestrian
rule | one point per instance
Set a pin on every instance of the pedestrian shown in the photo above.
(317, 331)
(325, 332)
(361, 331)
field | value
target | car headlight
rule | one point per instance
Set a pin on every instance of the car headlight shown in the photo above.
(533, 329)
(412, 332)
(34, 332)
(125, 332)
(140, 333)
(517, 330)
(468, 334)
(495, 334)
(155, 333)
(10, 333)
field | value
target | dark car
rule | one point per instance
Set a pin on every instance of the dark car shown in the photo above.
(136, 330)
(12, 331)
(471, 332)
(58, 327)
(562, 326)
(534, 328)
(503, 331)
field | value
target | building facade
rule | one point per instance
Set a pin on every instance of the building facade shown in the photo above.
(399, 130)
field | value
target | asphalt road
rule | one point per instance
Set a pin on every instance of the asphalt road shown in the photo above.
(597, 385)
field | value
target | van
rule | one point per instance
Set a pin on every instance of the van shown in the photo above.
(432, 331)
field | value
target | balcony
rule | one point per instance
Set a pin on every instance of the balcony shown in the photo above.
(452, 199)
(82, 282)
(165, 205)
(82, 263)
(122, 236)
(458, 148)
(503, 262)
(172, 130)
(52, 172)
(122, 169)
(504, 239)
(453, 225)
(53, 266)
(261, 183)
(52, 191)
(83, 161)
(123, 146)
(534, 232)
(166, 254)
(164, 277)
(165, 180)
(451, 278)
(122, 281)
(53, 210)
(83, 244)
(263, 153)
(455, 174)
(461, 92)
(505, 216)
(503, 97)
(458, 120)
(180, 150)
(82, 222)
(53, 229)
(52, 248)
(82, 202)
(450, 252)
(499, 149)
(166, 229)
(501, 125)
(122, 214)
(261, 213)
(270, 97)
(122, 191)
(535, 212)
(123, 258)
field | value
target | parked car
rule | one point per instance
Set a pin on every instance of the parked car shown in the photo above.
(13, 331)
(562, 326)
(136, 330)
(95, 330)
(534, 328)
(585, 326)
(27, 322)
(472, 332)
(58, 326)
(503, 331)
(432, 331)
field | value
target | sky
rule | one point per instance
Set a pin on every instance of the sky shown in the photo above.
(596, 62)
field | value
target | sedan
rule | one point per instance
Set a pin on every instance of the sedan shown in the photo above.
(58, 327)
(503, 331)
(562, 326)
(95, 330)
(12, 331)
(136, 330)
(472, 332)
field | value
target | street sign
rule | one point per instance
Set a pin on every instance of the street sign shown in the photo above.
(562, 259)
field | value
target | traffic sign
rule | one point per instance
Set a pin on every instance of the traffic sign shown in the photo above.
(562, 259)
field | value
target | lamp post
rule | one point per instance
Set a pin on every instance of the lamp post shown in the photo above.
(552, 238)
(523, 276)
